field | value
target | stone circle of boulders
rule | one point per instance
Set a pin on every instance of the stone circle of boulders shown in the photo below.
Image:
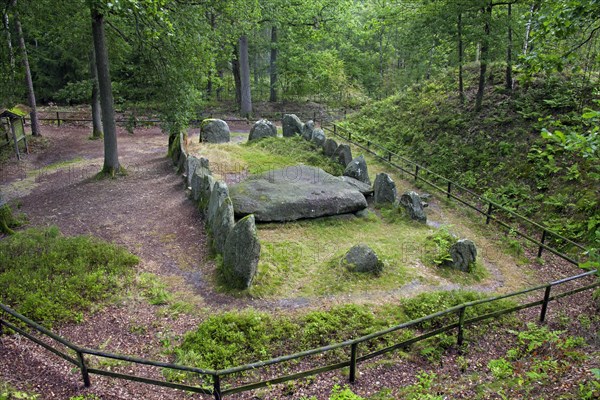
(292, 125)
(318, 138)
(262, 129)
(361, 258)
(464, 255)
(384, 189)
(329, 147)
(357, 169)
(307, 130)
(214, 131)
(343, 154)
(241, 254)
(413, 205)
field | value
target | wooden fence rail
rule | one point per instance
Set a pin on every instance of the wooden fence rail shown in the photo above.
(216, 376)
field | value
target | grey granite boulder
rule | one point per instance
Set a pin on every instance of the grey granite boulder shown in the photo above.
(291, 125)
(361, 258)
(343, 154)
(307, 130)
(241, 254)
(222, 225)
(218, 196)
(329, 147)
(206, 188)
(197, 182)
(413, 206)
(464, 254)
(362, 187)
(261, 129)
(318, 137)
(214, 131)
(190, 166)
(294, 193)
(384, 189)
(357, 169)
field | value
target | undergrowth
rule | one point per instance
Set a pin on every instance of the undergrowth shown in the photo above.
(51, 278)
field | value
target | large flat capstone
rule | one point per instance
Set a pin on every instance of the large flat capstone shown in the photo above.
(294, 193)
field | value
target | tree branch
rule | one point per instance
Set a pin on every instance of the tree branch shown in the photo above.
(580, 45)
(121, 34)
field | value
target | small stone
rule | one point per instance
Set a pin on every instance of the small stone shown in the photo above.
(223, 225)
(357, 169)
(384, 189)
(318, 137)
(291, 125)
(214, 131)
(261, 129)
(413, 205)
(343, 154)
(307, 130)
(361, 258)
(464, 255)
(329, 147)
(241, 254)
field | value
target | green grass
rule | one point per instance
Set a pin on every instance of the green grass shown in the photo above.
(51, 278)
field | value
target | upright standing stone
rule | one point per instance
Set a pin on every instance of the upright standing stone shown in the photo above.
(307, 130)
(361, 258)
(464, 254)
(385, 189)
(214, 131)
(206, 189)
(291, 125)
(241, 254)
(318, 137)
(197, 182)
(413, 205)
(190, 166)
(343, 154)
(223, 225)
(357, 169)
(261, 129)
(217, 197)
(329, 147)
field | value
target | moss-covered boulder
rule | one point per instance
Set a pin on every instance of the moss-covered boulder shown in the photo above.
(291, 125)
(262, 129)
(214, 131)
(241, 254)
(361, 258)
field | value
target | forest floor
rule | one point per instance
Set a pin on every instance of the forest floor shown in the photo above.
(147, 211)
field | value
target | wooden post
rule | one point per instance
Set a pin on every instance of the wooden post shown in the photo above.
(353, 351)
(545, 303)
(389, 156)
(84, 371)
(449, 189)
(489, 214)
(335, 129)
(14, 135)
(58, 118)
(541, 248)
(24, 135)
(461, 323)
(416, 172)
(217, 387)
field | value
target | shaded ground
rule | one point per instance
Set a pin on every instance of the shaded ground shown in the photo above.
(148, 212)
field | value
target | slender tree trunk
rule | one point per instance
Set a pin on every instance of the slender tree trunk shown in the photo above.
(111, 154)
(97, 132)
(235, 67)
(11, 53)
(246, 97)
(273, 66)
(528, 28)
(220, 87)
(209, 85)
(381, 56)
(483, 58)
(461, 84)
(35, 125)
(509, 76)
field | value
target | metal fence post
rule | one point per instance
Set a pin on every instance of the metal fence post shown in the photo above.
(58, 118)
(489, 214)
(335, 129)
(84, 371)
(545, 303)
(541, 248)
(353, 351)
(461, 323)
(389, 156)
(449, 189)
(416, 172)
(217, 387)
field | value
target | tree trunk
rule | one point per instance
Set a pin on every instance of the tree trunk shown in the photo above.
(245, 95)
(235, 68)
(35, 125)
(273, 67)
(528, 28)
(11, 53)
(483, 58)
(461, 84)
(97, 132)
(509, 76)
(220, 87)
(111, 154)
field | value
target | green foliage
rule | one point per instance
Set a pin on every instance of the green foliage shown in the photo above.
(154, 290)
(8, 220)
(501, 368)
(443, 240)
(422, 389)
(9, 393)
(51, 278)
(339, 393)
